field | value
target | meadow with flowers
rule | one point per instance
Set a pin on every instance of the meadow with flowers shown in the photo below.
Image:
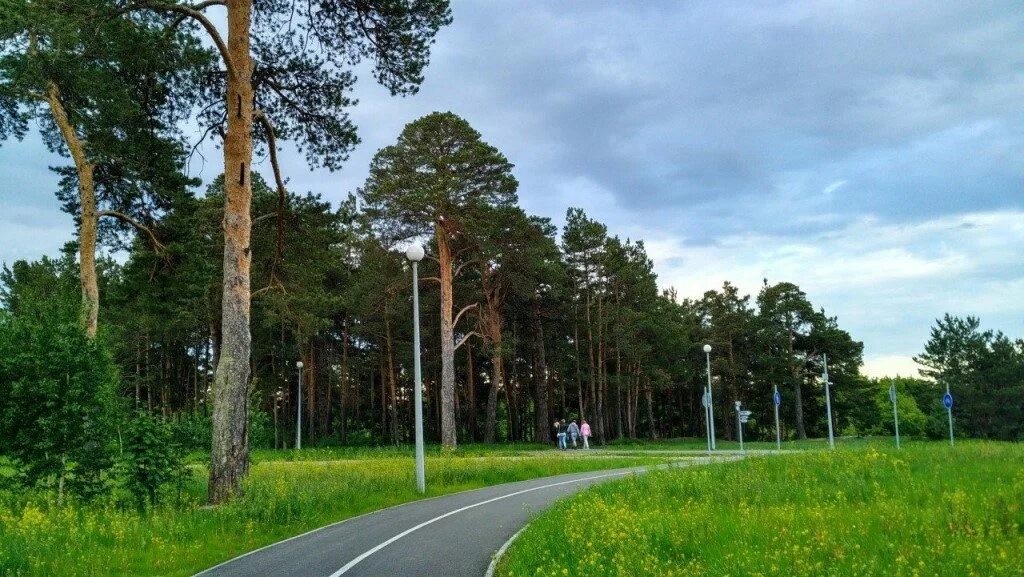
(925, 510)
(287, 493)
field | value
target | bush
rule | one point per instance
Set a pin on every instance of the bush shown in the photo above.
(59, 391)
(151, 458)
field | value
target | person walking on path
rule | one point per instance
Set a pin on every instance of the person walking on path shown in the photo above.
(585, 433)
(574, 432)
(561, 433)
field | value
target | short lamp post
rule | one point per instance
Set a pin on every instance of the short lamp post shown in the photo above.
(415, 254)
(298, 410)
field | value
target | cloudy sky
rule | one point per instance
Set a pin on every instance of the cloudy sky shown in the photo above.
(871, 152)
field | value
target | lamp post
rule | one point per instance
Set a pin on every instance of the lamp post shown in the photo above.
(828, 404)
(415, 254)
(298, 410)
(711, 397)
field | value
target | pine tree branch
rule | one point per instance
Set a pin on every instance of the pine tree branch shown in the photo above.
(281, 192)
(157, 245)
(459, 315)
(195, 12)
(459, 268)
(465, 338)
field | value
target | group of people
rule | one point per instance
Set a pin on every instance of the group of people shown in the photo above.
(571, 433)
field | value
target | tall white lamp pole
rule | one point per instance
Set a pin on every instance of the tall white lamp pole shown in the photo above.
(298, 411)
(711, 397)
(415, 254)
(828, 404)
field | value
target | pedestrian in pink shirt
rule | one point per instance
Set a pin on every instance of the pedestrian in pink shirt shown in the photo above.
(585, 433)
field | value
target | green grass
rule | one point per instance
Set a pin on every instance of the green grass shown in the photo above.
(287, 493)
(926, 510)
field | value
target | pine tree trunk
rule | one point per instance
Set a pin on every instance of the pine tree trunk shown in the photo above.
(392, 396)
(798, 400)
(492, 398)
(229, 456)
(470, 393)
(87, 199)
(542, 423)
(650, 412)
(590, 349)
(599, 406)
(444, 257)
(493, 322)
(345, 378)
(798, 397)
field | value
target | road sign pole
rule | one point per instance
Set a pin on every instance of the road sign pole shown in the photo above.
(828, 406)
(948, 401)
(895, 413)
(778, 432)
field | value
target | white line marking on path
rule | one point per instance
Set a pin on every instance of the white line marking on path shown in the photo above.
(363, 556)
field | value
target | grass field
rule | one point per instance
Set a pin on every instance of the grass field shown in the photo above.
(926, 510)
(287, 493)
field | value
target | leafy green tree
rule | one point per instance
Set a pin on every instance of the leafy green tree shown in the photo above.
(58, 386)
(151, 459)
(440, 178)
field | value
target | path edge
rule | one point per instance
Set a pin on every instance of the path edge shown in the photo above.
(501, 551)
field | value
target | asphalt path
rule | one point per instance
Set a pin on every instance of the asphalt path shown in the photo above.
(449, 536)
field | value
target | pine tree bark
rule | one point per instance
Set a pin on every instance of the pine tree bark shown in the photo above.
(392, 396)
(444, 257)
(87, 199)
(649, 394)
(229, 456)
(470, 393)
(798, 397)
(542, 423)
(492, 325)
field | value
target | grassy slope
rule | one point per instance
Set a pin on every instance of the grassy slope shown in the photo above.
(287, 493)
(926, 510)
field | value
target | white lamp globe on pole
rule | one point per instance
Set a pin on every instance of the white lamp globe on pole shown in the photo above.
(415, 254)
(298, 410)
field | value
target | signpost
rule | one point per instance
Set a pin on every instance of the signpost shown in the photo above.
(895, 413)
(947, 400)
(741, 417)
(777, 400)
(828, 404)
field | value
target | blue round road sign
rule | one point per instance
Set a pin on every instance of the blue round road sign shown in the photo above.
(777, 398)
(947, 400)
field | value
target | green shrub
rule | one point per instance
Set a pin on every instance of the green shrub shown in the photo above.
(59, 391)
(151, 459)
